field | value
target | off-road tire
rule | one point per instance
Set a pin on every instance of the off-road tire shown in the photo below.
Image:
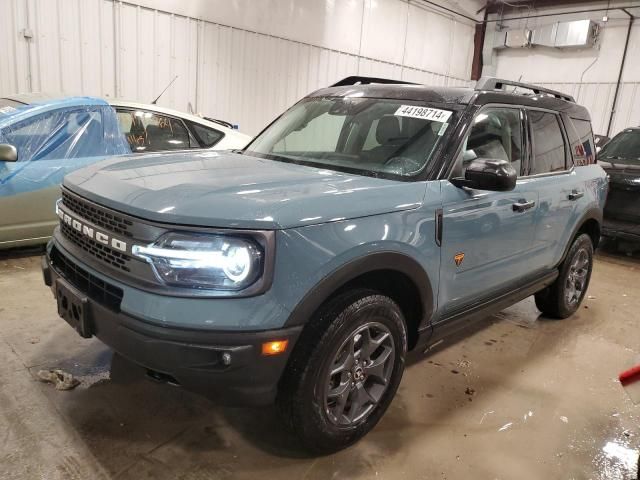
(552, 301)
(301, 397)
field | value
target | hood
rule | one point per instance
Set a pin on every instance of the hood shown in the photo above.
(227, 190)
(622, 175)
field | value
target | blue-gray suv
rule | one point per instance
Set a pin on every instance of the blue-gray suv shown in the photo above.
(371, 218)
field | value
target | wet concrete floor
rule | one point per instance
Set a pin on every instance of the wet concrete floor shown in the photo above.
(519, 396)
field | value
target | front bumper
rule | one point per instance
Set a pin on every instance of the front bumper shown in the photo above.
(623, 230)
(226, 366)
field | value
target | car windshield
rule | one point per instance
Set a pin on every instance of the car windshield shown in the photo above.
(372, 136)
(624, 146)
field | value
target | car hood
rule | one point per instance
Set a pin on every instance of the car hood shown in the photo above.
(622, 175)
(621, 165)
(228, 190)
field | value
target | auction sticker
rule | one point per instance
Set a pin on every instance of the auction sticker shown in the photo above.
(425, 113)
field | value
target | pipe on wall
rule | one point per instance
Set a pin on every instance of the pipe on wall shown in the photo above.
(557, 14)
(624, 58)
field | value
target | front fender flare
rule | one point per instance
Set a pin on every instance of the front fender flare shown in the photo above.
(376, 261)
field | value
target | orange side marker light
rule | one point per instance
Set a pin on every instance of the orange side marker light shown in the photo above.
(274, 348)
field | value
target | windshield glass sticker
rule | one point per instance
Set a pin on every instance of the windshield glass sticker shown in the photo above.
(425, 113)
(6, 110)
(443, 129)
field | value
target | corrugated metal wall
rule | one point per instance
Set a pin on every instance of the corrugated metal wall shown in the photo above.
(116, 49)
(589, 74)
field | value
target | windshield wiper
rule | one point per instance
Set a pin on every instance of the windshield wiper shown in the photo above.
(278, 158)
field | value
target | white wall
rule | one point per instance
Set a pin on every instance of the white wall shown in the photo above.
(243, 60)
(589, 74)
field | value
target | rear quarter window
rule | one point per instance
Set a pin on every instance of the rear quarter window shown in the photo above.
(581, 140)
(207, 137)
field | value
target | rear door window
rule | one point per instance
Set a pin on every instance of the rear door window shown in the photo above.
(549, 152)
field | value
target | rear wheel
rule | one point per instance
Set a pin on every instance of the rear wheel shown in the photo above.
(563, 297)
(344, 371)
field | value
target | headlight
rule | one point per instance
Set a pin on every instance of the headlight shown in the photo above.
(216, 262)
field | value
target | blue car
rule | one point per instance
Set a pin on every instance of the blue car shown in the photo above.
(41, 140)
(366, 221)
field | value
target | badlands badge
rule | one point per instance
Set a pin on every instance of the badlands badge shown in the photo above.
(458, 257)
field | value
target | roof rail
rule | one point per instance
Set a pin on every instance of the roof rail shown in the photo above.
(354, 80)
(492, 83)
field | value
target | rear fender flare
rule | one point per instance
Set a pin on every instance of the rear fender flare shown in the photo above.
(591, 214)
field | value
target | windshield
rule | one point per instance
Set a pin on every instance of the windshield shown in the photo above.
(366, 135)
(624, 146)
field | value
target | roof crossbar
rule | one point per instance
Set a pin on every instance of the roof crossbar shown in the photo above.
(492, 83)
(355, 80)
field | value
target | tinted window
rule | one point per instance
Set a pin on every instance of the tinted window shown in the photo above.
(207, 137)
(365, 135)
(548, 143)
(496, 133)
(581, 140)
(148, 131)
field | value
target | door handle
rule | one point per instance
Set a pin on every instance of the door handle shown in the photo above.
(523, 206)
(575, 195)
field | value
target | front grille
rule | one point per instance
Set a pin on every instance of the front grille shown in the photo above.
(102, 292)
(101, 218)
(102, 252)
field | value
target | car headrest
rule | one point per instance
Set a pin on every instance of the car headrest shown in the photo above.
(388, 128)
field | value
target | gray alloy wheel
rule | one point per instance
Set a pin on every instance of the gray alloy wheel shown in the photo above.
(577, 277)
(359, 374)
(562, 298)
(344, 370)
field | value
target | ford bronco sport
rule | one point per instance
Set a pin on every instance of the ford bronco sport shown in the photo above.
(371, 218)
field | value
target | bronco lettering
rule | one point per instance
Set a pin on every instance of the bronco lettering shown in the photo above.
(89, 232)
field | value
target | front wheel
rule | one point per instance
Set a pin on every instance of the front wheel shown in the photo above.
(563, 297)
(344, 371)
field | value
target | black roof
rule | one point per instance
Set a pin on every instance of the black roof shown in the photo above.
(456, 95)
(400, 92)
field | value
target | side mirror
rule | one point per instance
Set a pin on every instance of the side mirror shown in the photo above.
(488, 174)
(8, 153)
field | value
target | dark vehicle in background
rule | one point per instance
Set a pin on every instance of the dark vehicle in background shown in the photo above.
(600, 141)
(621, 159)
